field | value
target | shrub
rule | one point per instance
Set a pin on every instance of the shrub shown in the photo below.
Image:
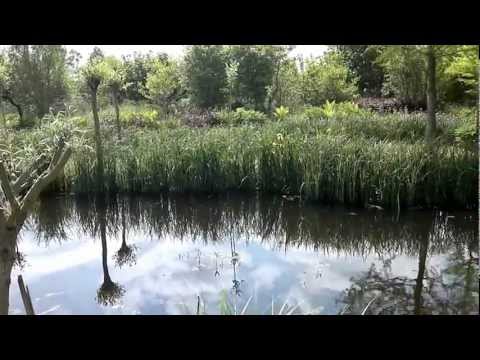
(239, 117)
(328, 79)
(335, 110)
(281, 113)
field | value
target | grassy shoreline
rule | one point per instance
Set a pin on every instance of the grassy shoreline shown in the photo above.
(353, 160)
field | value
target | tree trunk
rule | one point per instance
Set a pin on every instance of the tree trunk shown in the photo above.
(4, 118)
(421, 274)
(124, 226)
(431, 94)
(101, 211)
(98, 143)
(7, 255)
(117, 114)
(16, 106)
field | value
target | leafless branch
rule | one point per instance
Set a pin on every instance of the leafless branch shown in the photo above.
(46, 178)
(24, 180)
(7, 188)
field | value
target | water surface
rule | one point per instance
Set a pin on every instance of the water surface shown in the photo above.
(180, 254)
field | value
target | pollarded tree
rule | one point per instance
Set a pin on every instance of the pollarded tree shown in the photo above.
(109, 292)
(94, 73)
(115, 83)
(20, 191)
(163, 84)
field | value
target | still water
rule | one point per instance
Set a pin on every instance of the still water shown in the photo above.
(185, 254)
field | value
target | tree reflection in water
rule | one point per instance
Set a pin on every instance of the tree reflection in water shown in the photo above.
(454, 290)
(126, 255)
(313, 228)
(109, 292)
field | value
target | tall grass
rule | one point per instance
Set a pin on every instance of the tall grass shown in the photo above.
(351, 161)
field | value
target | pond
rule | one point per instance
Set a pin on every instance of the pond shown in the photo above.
(238, 254)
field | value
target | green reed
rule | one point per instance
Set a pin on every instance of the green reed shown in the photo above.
(380, 159)
(286, 159)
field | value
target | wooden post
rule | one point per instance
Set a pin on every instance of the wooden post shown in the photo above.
(27, 300)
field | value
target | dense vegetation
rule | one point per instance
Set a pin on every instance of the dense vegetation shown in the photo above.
(253, 118)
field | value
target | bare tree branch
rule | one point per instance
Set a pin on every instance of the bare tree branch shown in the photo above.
(27, 176)
(7, 188)
(57, 154)
(44, 180)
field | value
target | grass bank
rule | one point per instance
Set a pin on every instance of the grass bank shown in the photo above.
(358, 159)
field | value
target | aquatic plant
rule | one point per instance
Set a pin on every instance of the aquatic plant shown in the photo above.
(357, 159)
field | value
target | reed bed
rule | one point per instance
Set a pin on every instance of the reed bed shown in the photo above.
(287, 158)
(360, 159)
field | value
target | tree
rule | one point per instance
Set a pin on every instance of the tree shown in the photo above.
(258, 69)
(109, 293)
(115, 82)
(38, 78)
(10, 87)
(137, 67)
(205, 75)
(163, 84)
(19, 193)
(431, 93)
(127, 253)
(287, 87)
(328, 78)
(405, 75)
(461, 75)
(413, 72)
(94, 73)
(361, 60)
(232, 75)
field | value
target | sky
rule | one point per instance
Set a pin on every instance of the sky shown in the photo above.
(173, 50)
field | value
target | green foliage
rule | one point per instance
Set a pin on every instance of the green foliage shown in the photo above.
(361, 60)
(257, 65)
(467, 134)
(34, 78)
(163, 83)
(281, 113)
(462, 75)
(328, 79)
(137, 67)
(240, 116)
(115, 75)
(232, 75)
(286, 89)
(205, 75)
(95, 72)
(331, 109)
(405, 77)
(351, 160)
(465, 131)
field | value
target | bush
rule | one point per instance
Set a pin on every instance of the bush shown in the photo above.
(328, 79)
(334, 110)
(240, 116)
(281, 113)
